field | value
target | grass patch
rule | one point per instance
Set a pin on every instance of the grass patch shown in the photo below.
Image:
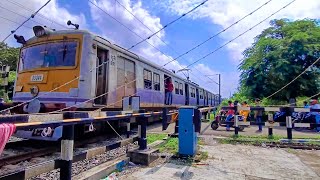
(155, 137)
(171, 145)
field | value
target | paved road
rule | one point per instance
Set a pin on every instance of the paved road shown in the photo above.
(221, 131)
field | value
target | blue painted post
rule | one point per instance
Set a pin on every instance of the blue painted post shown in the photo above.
(66, 152)
(289, 127)
(187, 131)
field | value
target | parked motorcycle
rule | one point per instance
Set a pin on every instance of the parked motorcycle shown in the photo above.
(220, 120)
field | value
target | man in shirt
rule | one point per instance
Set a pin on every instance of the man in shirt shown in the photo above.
(230, 114)
(169, 88)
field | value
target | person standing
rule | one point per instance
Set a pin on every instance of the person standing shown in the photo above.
(305, 104)
(314, 105)
(169, 88)
(258, 115)
(244, 113)
(230, 114)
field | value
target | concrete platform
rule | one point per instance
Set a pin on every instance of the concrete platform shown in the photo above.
(143, 157)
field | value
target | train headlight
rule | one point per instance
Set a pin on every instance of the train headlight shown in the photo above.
(34, 91)
(40, 31)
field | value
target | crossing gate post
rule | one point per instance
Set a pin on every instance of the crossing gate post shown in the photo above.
(189, 125)
(67, 143)
(165, 112)
(128, 132)
(236, 124)
(142, 131)
(289, 127)
(270, 128)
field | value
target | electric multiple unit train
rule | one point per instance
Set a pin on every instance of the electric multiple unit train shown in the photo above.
(69, 68)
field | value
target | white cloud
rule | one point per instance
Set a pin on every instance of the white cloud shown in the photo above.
(111, 28)
(51, 12)
(225, 12)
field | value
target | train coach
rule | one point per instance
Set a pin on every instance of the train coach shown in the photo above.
(76, 70)
(69, 68)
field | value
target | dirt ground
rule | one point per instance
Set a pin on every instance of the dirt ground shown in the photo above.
(227, 161)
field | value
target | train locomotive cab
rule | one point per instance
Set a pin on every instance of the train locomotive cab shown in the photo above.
(48, 73)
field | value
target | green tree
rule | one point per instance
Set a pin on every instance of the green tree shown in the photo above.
(9, 56)
(279, 54)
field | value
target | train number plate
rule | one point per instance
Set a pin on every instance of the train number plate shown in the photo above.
(37, 78)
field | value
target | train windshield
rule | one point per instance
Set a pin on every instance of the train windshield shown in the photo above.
(55, 54)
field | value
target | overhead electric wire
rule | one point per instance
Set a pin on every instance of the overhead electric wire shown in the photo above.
(19, 14)
(136, 79)
(162, 40)
(167, 25)
(215, 35)
(294, 79)
(14, 22)
(32, 16)
(212, 52)
(128, 29)
(90, 70)
(40, 14)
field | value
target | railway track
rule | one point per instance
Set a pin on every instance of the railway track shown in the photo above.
(20, 154)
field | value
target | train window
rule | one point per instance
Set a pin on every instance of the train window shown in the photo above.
(193, 92)
(147, 79)
(181, 88)
(176, 87)
(156, 79)
(201, 94)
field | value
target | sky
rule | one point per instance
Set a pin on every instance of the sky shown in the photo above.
(127, 22)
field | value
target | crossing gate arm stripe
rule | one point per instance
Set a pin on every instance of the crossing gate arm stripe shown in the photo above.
(273, 109)
(301, 124)
(301, 109)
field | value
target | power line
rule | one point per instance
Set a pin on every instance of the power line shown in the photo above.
(18, 14)
(225, 29)
(294, 78)
(129, 30)
(32, 16)
(212, 52)
(160, 39)
(30, 10)
(167, 25)
(14, 22)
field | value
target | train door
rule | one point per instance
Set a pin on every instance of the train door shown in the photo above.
(165, 81)
(101, 77)
(126, 83)
(197, 96)
(204, 98)
(186, 87)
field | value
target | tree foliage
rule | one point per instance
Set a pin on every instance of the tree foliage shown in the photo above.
(9, 56)
(279, 54)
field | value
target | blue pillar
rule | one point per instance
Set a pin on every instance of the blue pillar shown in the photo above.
(187, 131)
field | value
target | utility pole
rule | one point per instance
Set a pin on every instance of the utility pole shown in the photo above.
(219, 90)
(217, 84)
